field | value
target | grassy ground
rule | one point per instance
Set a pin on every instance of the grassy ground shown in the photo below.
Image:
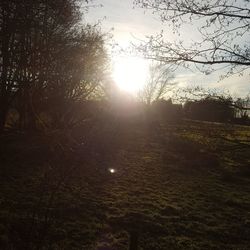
(184, 186)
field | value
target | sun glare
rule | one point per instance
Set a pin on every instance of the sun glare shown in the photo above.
(130, 73)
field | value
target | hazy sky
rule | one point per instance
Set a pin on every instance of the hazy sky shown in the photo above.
(131, 24)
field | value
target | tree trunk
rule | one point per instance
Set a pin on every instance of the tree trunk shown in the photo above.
(4, 105)
(3, 116)
(134, 242)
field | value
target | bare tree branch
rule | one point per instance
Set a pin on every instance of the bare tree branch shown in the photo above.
(223, 25)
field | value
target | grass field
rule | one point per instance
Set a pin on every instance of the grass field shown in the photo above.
(174, 186)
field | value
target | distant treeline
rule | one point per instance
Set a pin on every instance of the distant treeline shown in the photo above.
(122, 110)
(206, 109)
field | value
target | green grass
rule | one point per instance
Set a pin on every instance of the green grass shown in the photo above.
(184, 186)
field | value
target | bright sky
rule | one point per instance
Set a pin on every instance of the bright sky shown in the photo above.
(130, 24)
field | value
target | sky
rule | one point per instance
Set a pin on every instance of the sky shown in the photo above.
(128, 24)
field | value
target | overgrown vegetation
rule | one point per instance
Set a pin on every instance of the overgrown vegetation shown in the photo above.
(50, 59)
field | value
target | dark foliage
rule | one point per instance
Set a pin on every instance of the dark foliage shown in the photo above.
(166, 110)
(48, 57)
(210, 109)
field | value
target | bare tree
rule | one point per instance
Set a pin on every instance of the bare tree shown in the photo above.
(223, 26)
(158, 84)
(242, 106)
(47, 57)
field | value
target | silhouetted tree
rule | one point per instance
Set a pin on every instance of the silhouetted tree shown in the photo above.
(79, 73)
(47, 57)
(210, 109)
(166, 110)
(241, 106)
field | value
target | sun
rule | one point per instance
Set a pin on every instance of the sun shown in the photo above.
(130, 73)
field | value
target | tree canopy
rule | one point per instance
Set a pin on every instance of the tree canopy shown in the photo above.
(48, 56)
